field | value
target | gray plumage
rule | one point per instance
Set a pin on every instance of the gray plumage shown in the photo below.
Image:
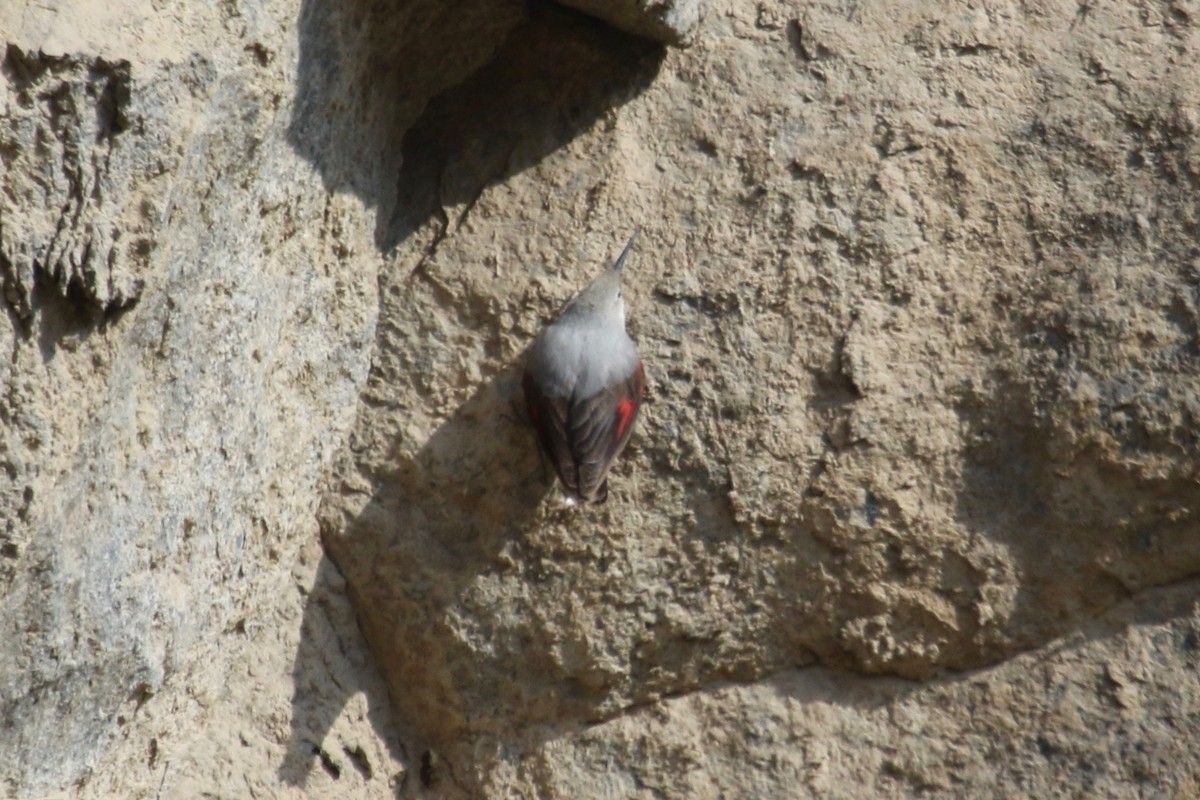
(583, 385)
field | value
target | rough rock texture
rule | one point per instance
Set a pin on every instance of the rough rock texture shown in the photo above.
(185, 337)
(1109, 712)
(671, 21)
(922, 357)
(913, 505)
(65, 163)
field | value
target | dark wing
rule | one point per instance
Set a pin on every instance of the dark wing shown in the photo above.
(549, 418)
(598, 428)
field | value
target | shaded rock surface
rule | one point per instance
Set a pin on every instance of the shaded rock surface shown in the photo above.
(913, 503)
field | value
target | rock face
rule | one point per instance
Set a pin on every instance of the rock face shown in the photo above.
(672, 21)
(912, 507)
(185, 338)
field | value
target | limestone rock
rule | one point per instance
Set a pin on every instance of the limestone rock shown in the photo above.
(69, 160)
(913, 504)
(672, 21)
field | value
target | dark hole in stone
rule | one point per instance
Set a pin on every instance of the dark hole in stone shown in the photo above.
(327, 763)
(428, 767)
(358, 758)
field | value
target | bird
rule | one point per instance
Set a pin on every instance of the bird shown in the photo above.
(583, 383)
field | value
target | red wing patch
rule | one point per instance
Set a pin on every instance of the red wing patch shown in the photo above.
(625, 411)
(582, 436)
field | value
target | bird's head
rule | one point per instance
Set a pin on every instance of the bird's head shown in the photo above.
(603, 298)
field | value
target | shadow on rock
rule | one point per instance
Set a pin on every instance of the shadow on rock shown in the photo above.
(431, 530)
(556, 75)
(367, 67)
(1084, 528)
(331, 666)
(524, 79)
(416, 107)
(428, 532)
